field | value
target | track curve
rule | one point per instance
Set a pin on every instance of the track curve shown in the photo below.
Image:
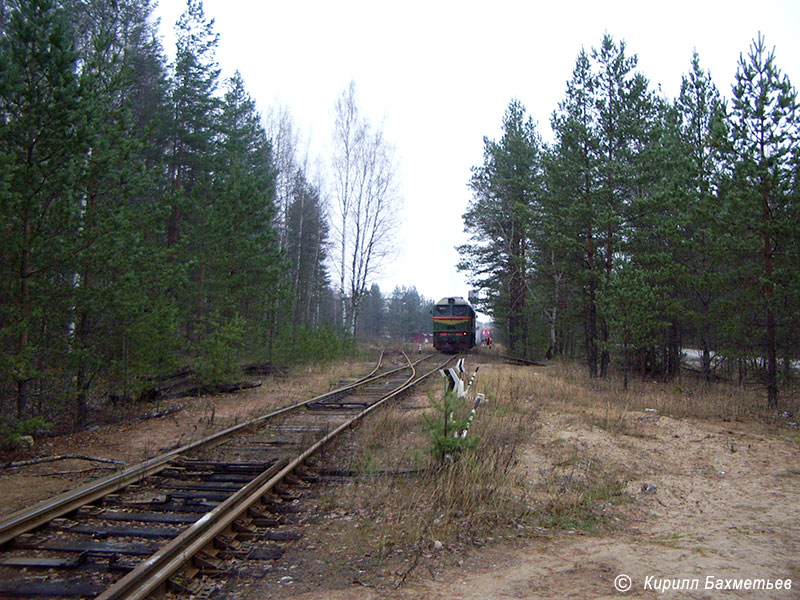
(220, 479)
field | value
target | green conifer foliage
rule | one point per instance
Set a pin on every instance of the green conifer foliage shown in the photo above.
(43, 152)
(507, 195)
(242, 265)
(765, 130)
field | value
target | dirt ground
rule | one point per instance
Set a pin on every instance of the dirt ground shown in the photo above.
(136, 441)
(712, 502)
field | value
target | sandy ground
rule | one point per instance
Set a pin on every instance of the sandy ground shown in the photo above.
(713, 504)
(725, 506)
(711, 501)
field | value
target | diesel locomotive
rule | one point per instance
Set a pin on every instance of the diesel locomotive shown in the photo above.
(453, 325)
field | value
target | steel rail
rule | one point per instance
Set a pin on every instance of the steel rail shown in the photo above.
(375, 370)
(27, 519)
(152, 573)
(523, 361)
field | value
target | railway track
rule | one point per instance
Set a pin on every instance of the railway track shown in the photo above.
(157, 524)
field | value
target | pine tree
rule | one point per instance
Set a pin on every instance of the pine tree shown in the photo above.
(190, 162)
(697, 153)
(507, 192)
(632, 306)
(407, 313)
(596, 180)
(622, 110)
(765, 130)
(120, 278)
(194, 107)
(373, 314)
(242, 264)
(306, 250)
(570, 212)
(43, 153)
(652, 251)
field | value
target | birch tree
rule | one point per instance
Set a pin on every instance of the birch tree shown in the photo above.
(366, 204)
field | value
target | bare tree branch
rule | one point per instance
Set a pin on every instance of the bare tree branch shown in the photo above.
(366, 203)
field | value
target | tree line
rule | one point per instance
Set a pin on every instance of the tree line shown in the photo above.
(153, 219)
(648, 225)
(399, 316)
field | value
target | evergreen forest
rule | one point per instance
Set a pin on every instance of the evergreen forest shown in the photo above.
(649, 225)
(154, 222)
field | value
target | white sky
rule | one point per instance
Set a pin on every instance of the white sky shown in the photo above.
(440, 74)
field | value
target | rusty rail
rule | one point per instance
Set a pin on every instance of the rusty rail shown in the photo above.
(30, 518)
(153, 573)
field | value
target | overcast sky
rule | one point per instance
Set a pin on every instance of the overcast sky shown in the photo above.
(439, 75)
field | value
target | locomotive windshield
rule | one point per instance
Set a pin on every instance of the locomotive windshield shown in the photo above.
(443, 310)
(460, 310)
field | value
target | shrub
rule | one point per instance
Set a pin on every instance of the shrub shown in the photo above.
(12, 430)
(445, 427)
(219, 359)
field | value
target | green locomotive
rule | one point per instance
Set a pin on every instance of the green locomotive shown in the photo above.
(453, 325)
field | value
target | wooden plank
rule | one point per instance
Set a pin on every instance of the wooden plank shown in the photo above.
(224, 467)
(196, 496)
(49, 589)
(94, 546)
(128, 532)
(52, 562)
(148, 517)
(202, 486)
(186, 507)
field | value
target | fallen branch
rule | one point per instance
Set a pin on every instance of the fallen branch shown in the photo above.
(264, 369)
(183, 372)
(75, 472)
(241, 385)
(530, 363)
(172, 393)
(47, 459)
(407, 572)
(159, 413)
(184, 383)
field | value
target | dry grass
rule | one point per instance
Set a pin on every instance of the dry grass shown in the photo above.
(686, 397)
(405, 498)
(575, 489)
(412, 496)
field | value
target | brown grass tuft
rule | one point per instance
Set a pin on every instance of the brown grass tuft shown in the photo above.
(552, 456)
(686, 397)
(415, 497)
